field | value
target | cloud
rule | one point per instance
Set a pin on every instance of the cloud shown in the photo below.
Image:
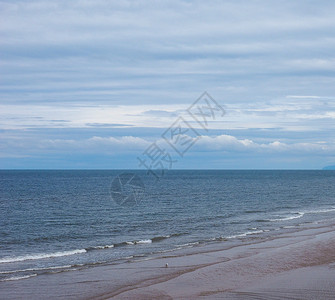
(230, 143)
(302, 97)
(96, 144)
(107, 65)
(126, 52)
(78, 148)
(161, 113)
(108, 125)
(297, 114)
(225, 143)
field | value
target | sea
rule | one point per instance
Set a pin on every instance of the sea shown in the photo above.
(59, 220)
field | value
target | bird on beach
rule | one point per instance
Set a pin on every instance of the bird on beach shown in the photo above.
(166, 265)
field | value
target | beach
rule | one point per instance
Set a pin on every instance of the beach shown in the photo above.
(167, 150)
(299, 264)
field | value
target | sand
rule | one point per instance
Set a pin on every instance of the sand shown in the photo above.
(293, 265)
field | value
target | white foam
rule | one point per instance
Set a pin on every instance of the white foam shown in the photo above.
(148, 241)
(104, 247)
(301, 214)
(320, 211)
(19, 277)
(290, 217)
(41, 256)
(245, 234)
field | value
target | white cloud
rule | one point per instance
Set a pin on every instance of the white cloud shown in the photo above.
(231, 144)
(220, 143)
(96, 144)
(295, 114)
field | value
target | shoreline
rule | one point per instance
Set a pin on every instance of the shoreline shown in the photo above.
(301, 263)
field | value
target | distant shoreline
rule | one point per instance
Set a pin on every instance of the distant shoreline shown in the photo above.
(329, 168)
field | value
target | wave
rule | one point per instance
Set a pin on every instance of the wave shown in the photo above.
(289, 217)
(41, 256)
(160, 238)
(318, 211)
(18, 277)
(148, 241)
(222, 238)
(129, 243)
(297, 215)
(37, 269)
(189, 244)
(80, 251)
(245, 234)
(155, 239)
(99, 247)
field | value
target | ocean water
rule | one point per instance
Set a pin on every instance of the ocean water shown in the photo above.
(54, 221)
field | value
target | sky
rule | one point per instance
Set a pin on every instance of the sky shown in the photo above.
(96, 84)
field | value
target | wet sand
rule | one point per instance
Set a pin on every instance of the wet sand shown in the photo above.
(295, 265)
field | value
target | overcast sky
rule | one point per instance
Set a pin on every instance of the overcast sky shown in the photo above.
(93, 84)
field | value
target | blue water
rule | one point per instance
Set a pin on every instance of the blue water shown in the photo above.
(52, 221)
